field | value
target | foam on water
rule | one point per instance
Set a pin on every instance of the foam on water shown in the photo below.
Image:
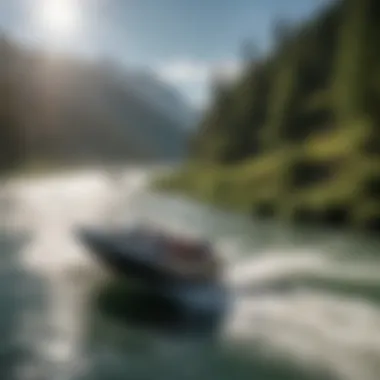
(291, 298)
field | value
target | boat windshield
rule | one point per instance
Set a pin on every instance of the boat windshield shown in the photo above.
(190, 251)
(174, 248)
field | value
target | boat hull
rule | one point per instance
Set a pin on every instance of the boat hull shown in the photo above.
(199, 297)
(127, 261)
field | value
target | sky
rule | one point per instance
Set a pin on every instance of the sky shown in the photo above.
(182, 41)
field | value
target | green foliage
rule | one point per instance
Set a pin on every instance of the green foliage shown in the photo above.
(349, 82)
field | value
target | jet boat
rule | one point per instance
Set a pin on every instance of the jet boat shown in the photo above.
(177, 269)
(153, 256)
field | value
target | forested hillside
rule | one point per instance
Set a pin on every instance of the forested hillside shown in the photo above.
(299, 135)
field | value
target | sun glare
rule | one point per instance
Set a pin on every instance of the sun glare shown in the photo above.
(58, 18)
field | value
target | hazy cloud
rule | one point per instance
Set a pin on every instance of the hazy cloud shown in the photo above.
(191, 72)
(193, 77)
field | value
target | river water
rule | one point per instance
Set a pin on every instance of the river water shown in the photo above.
(306, 303)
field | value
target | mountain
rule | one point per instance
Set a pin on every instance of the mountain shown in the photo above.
(161, 96)
(71, 110)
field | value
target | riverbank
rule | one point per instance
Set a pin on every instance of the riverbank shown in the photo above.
(261, 188)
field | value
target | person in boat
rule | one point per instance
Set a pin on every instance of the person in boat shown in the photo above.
(192, 259)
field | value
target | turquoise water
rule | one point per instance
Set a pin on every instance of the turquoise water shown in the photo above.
(306, 303)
